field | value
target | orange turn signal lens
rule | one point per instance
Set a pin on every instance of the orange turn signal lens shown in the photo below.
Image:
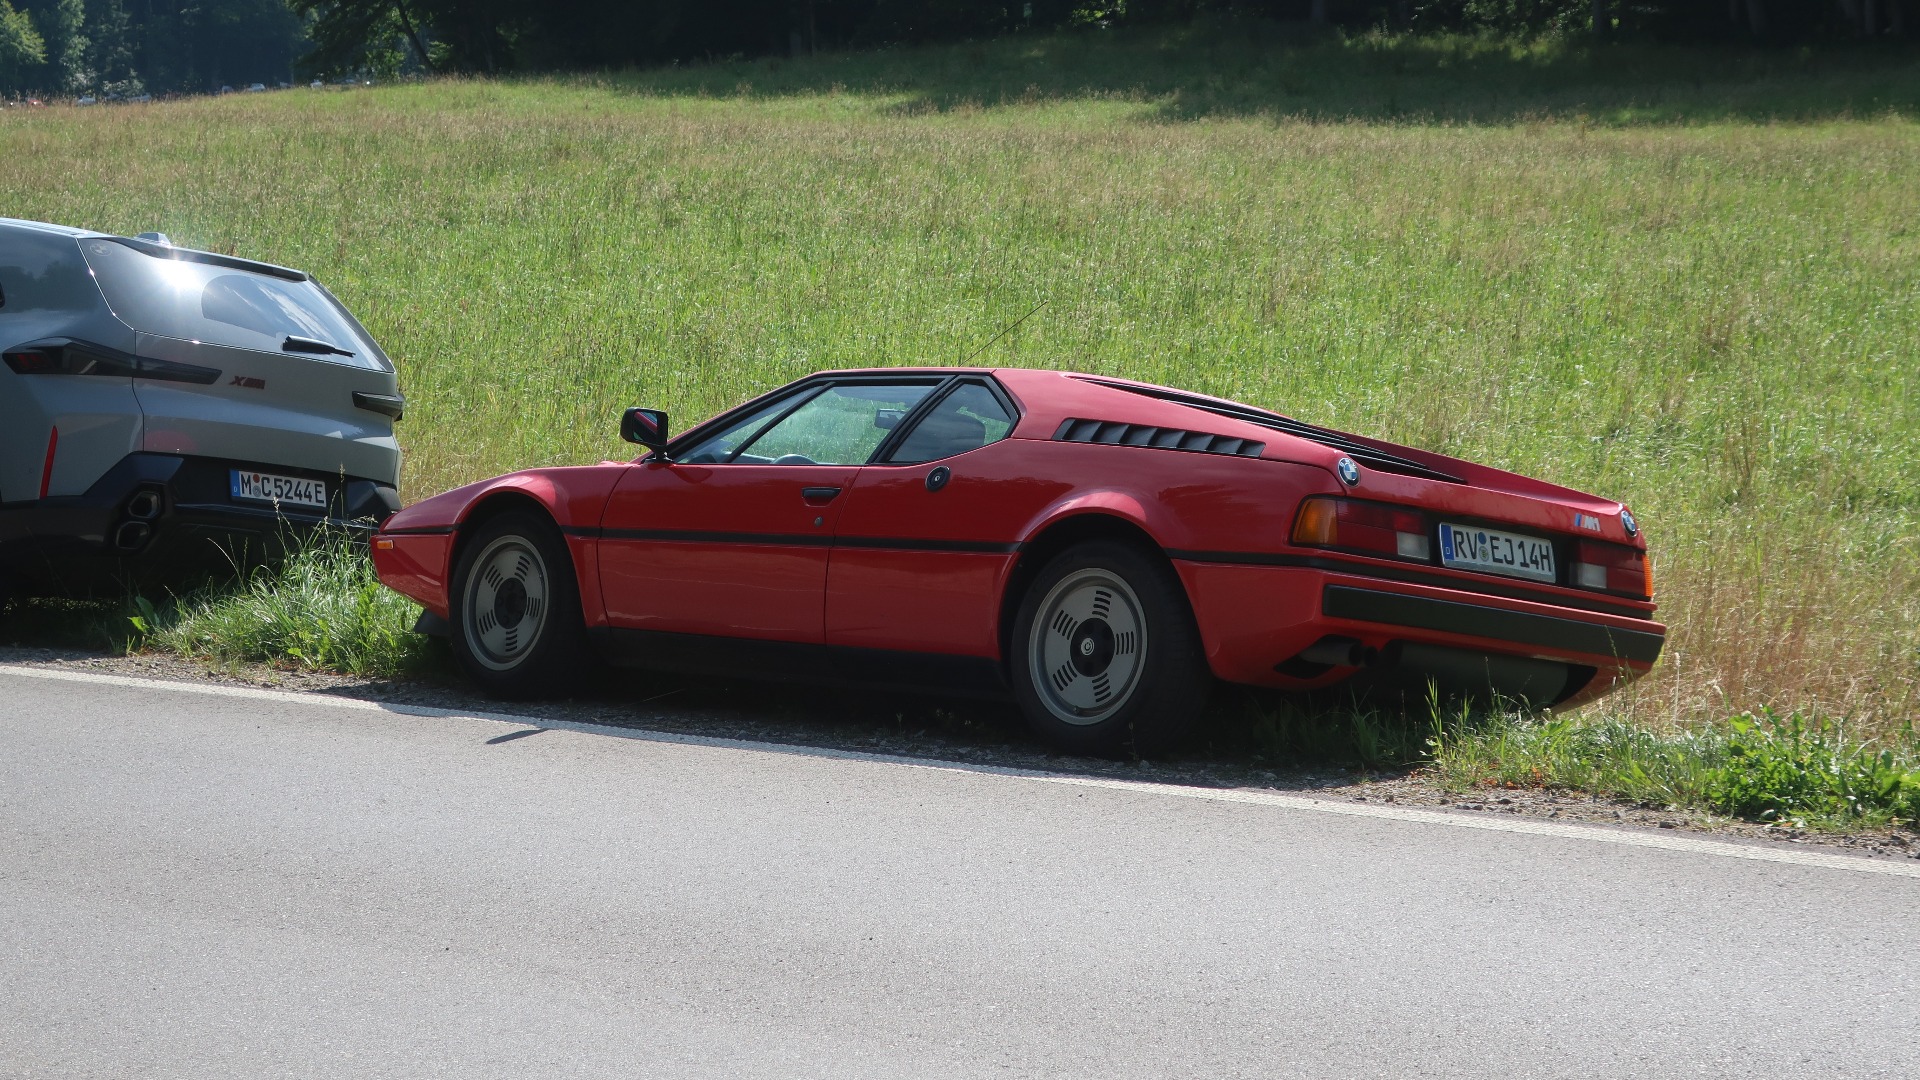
(381, 543)
(1318, 524)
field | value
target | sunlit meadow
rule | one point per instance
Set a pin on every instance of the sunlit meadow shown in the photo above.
(1699, 295)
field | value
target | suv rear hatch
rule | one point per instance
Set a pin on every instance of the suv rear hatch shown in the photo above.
(271, 373)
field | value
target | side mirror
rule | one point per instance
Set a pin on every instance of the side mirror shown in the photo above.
(648, 427)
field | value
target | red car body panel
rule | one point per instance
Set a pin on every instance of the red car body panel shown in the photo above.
(871, 557)
(725, 550)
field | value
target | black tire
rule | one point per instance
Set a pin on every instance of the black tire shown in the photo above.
(515, 606)
(1105, 657)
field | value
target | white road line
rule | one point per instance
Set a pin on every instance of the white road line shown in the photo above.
(1898, 868)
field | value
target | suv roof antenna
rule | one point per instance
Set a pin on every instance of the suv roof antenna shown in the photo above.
(1003, 333)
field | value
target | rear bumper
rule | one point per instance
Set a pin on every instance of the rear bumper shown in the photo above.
(163, 519)
(1256, 621)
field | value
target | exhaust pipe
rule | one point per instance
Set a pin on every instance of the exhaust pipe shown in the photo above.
(1339, 652)
(145, 505)
(131, 535)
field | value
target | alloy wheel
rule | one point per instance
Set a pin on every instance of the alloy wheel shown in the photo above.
(506, 602)
(1088, 646)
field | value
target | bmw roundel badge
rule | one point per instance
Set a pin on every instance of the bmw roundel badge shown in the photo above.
(1350, 473)
(1627, 522)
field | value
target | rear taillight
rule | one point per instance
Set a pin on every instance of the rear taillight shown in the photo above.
(59, 356)
(35, 362)
(1613, 568)
(1374, 528)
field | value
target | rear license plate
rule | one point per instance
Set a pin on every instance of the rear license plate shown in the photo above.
(266, 487)
(1465, 547)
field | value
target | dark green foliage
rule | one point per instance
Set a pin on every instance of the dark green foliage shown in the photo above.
(22, 49)
(498, 35)
(62, 26)
(122, 48)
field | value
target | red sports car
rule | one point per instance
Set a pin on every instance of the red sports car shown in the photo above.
(1100, 549)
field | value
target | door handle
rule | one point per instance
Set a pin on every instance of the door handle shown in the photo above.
(820, 494)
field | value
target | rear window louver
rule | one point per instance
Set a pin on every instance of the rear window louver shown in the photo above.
(1114, 433)
(1360, 452)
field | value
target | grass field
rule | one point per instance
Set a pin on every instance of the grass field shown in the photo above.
(1690, 282)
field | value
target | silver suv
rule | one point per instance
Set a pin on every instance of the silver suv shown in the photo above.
(164, 411)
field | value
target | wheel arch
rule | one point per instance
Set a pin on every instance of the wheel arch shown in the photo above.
(1059, 535)
(486, 508)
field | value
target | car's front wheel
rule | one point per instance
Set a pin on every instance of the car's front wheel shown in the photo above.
(516, 609)
(1106, 658)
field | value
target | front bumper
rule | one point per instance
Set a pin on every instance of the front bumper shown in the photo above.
(164, 520)
(1257, 621)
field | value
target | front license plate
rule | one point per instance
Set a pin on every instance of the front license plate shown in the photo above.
(266, 487)
(1469, 547)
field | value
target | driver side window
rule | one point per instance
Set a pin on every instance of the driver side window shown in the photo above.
(841, 425)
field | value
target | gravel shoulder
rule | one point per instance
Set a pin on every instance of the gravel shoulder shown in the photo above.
(941, 729)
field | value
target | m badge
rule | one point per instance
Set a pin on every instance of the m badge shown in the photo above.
(249, 382)
(1587, 522)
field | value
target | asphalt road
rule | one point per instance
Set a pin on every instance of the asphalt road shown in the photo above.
(212, 885)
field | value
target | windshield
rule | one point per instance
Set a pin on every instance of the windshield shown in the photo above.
(199, 301)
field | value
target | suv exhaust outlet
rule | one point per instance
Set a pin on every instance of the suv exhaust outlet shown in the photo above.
(145, 506)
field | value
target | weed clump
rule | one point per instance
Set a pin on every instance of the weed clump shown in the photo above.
(320, 608)
(1793, 769)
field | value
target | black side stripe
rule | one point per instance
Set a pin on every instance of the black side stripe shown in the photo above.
(876, 543)
(883, 543)
(424, 530)
(1410, 576)
(689, 536)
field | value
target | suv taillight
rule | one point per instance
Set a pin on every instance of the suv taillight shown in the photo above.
(1373, 528)
(35, 362)
(58, 356)
(1613, 568)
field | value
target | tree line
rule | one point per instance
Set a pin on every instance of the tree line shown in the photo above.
(131, 47)
(127, 47)
(497, 35)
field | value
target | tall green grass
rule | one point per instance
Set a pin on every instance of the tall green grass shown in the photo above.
(1691, 282)
(1793, 769)
(1765, 767)
(320, 608)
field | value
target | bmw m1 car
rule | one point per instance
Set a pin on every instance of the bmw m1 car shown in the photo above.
(1100, 550)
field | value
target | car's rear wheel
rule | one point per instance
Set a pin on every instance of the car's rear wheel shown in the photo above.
(516, 609)
(1106, 658)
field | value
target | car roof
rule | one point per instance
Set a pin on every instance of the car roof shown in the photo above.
(47, 227)
(842, 373)
(165, 251)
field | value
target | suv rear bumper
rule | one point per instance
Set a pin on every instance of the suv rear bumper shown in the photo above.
(163, 519)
